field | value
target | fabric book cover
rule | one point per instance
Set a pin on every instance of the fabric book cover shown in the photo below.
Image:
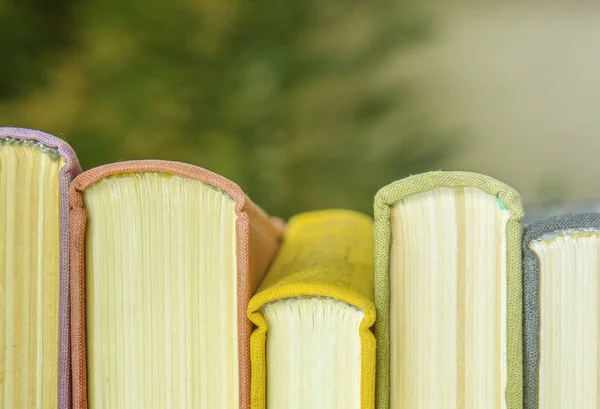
(313, 346)
(561, 284)
(448, 293)
(35, 171)
(164, 259)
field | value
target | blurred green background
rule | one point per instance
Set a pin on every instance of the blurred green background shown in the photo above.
(315, 104)
(288, 99)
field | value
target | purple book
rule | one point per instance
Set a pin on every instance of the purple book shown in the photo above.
(35, 168)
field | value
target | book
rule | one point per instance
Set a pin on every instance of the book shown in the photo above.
(164, 259)
(562, 312)
(313, 346)
(448, 293)
(35, 171)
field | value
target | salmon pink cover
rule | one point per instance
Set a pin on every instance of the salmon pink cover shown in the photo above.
(70, 169)
(257, 241)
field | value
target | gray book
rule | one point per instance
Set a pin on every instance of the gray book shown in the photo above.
(561, 303)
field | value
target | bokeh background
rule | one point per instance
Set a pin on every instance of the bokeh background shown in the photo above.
(313, 104)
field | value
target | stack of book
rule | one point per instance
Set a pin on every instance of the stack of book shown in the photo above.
(157, 284)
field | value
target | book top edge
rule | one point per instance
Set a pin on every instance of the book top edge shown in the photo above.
(92, 176)
(243, 204)
(324, 254)
(51, 141)
(415, 184)
(570, 222)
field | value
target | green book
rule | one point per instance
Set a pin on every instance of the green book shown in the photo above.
(448, 293)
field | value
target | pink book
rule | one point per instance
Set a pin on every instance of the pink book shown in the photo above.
(164, 259)
(35, 171)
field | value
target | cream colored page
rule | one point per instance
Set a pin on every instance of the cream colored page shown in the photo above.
(313, 354)
(569, 321)
(161, 294)
(29, 277)
(448, 301)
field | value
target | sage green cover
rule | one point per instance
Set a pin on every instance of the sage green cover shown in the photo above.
(392, 194)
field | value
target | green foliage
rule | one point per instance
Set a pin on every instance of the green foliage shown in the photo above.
(31, 30)
(289, 99)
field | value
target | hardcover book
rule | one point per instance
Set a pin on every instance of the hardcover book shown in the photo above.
(562, 312)
(313, 346)
(448, 293)
(165, 257)
(35, 171)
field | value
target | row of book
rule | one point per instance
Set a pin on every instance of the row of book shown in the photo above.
(157, 284)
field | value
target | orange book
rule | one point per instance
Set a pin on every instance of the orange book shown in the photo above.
(164, 259)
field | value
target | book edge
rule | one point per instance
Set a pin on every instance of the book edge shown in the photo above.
(531, 299)
(299, 288)
(251, 220)
(398, 190)
(70, 169)
(259, 335)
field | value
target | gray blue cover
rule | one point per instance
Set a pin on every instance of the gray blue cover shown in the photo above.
(531, 295)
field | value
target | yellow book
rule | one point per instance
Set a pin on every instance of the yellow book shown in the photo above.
(313, 346)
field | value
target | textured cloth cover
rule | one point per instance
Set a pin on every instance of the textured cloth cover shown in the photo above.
(295, 273)
(257, 241)
(392, 194)
(531, 294)
(70, 169)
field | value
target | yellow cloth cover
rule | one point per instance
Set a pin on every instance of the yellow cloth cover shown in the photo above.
(326, 253)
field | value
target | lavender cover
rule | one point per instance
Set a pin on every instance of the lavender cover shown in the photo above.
(65, 175)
